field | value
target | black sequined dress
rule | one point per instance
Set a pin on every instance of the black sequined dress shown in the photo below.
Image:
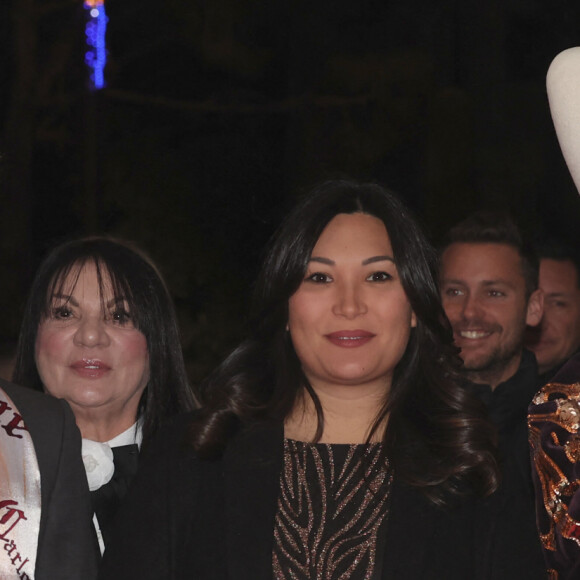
(332, 510)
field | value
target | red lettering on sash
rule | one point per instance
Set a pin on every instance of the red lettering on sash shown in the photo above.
(11, 512)
(10, 547)
(13, 426)
(20, 567)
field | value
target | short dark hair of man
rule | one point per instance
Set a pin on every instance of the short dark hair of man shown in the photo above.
(559, 250)
(494, 227)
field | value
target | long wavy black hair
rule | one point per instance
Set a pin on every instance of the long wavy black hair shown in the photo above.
(436, 437)
(134, 280)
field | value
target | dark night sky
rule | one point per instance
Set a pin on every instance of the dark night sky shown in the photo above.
(218, 112)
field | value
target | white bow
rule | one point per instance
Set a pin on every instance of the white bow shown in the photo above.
(99, 464)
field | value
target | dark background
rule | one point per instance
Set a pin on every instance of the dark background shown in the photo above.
(218, 112)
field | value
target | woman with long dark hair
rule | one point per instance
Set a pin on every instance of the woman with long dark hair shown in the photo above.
(100, 331)
(335, 441)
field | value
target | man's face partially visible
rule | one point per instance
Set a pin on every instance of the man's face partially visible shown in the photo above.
(557, 336)
(484, 296)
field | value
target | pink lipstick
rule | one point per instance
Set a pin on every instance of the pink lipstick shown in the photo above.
(350, 338)
(90, 368)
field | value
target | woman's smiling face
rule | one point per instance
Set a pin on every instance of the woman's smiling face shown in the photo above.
(350, 319)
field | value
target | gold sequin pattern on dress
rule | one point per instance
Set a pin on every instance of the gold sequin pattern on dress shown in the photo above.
(553, 433)
(567, 413)
(572, 448)
(331, 506)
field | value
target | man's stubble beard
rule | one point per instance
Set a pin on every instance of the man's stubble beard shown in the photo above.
(488, 368)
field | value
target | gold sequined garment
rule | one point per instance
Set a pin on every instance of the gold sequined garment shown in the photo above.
(554, 430)
(332, 506)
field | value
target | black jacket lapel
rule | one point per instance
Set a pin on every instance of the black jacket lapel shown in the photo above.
(428, 542)
(410, 527)
(252, 465)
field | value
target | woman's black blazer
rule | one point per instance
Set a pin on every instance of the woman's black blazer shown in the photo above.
(187, 518)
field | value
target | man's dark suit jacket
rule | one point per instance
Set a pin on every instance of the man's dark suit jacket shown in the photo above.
(67, 548)
(518, 546)
(214, 519)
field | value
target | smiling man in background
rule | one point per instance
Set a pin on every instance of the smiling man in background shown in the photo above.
(557, 337)
(489, 289)
(489, 285)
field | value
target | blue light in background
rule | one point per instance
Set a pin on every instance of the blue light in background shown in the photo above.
(95, 31)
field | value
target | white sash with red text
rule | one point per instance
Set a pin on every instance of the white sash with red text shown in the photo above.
(20, 500)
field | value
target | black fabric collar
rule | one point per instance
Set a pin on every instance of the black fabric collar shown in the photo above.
(509, 401)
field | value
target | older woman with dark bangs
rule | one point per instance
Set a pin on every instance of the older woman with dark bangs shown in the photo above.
(100, 331)
(335, 441)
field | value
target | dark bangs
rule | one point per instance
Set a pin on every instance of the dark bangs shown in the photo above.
(112, 275)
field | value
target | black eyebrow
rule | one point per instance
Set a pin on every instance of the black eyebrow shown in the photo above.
(71, 299)
(498, 282)
(326, 261)
(66, 298)
(483, 283)
(366, 262)
(377, 259)
(117, 301)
